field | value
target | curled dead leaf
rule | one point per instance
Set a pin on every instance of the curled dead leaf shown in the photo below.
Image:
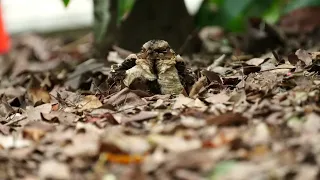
(304, 56)
(201, 83)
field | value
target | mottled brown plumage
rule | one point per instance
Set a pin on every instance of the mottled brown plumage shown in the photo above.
(156, 68)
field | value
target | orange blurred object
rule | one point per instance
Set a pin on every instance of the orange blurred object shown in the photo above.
(4, 37)
(124, 158)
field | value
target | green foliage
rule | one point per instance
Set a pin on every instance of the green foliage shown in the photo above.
(221, 169)
(273, 13)
(232, 14)
(295, 4)
(66, 2)
(124, 7)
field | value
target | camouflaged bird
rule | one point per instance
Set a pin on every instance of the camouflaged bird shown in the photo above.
(156, 68)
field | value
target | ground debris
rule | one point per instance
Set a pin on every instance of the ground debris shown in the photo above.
(156, 116)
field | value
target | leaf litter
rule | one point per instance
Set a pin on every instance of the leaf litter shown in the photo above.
(242, 117)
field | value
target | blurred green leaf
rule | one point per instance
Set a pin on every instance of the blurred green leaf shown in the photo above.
(206, 14)
(101, 19)
(221, 169)
(273, 13)
(66, 2)
(232, 14)
(234, 9)
(296, 4)
(124, 7)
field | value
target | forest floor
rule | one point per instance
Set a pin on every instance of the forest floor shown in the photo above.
(248, 116)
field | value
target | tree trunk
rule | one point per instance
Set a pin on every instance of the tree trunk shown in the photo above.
(156, 19)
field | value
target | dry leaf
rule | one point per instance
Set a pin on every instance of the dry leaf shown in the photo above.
(35, 113)
(143, 115)
(182, 102)
(175, 143)
(201, 83)
(5, 108)
(228, 119)
(36, 130)
(39, 95)
(312, 124)
(60, 117)
(7, 142)
(89, 102)
(222, 97)
(116, 142)
(304, 56)
(83, 145)
(199, 158)
(52, 169)
(255, 61)
(126, 99)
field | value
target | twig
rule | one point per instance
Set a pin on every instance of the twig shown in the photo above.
(273, 69)
(14, 121)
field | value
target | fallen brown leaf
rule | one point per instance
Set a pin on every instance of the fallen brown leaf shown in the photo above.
(174, 143)
(60, 117)
(33, 113)
(182, 102)
(52, 169)
(39, 95)
(222, 97)
(116, 142)
(5, 108)
(255, 61)
(312, 124)
(125, 99)
(304, 56)
(36, 130)
(228, 119)
(89, 102)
